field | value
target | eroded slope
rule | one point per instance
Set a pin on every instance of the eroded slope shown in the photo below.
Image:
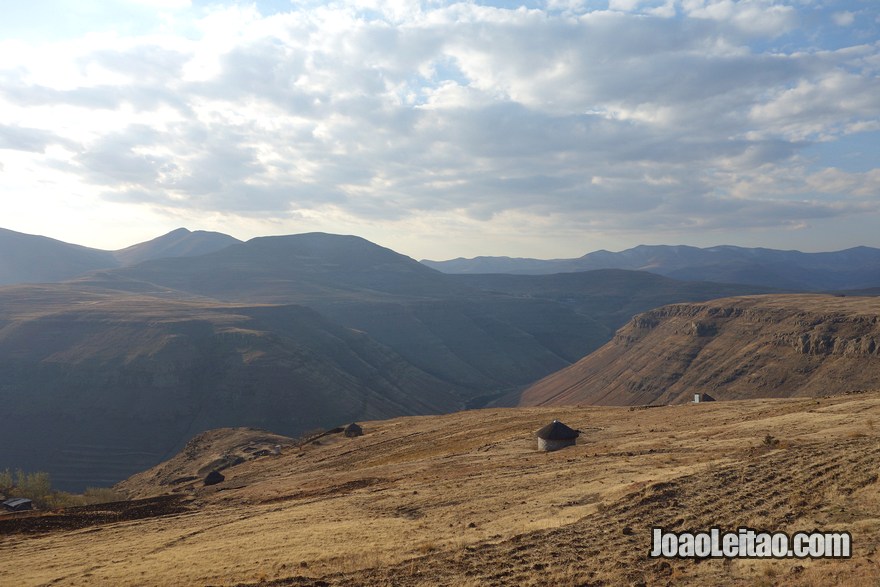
(732, 348)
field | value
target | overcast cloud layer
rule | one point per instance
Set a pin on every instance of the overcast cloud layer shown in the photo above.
(444, 129)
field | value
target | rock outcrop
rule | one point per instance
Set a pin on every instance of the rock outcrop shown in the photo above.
(735, 348)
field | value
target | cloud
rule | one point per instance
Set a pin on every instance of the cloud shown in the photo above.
(35, 140)
(844, 18)
(650, 113)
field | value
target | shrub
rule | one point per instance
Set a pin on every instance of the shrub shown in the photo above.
(38, 488)
(95, 495)
(7, 481)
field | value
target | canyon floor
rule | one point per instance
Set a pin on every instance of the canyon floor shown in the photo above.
(466, 499)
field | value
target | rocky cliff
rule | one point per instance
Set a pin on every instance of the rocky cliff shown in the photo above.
(732, 348)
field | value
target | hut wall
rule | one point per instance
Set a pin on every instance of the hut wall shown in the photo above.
(549, 445)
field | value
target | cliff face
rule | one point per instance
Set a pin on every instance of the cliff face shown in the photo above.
(733, 348)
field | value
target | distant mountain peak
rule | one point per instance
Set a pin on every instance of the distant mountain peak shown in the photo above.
(180, 242)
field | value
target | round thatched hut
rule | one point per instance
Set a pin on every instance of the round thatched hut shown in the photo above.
(556, 435)
(353, 430)
(214, 477)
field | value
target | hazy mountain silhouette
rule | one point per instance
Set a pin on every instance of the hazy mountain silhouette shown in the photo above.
(288, 268)
(854, 268)
(27, 258)
(177, 243)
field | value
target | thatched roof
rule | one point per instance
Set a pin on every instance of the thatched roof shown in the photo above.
(705, 397)
(214, 477)
(353, 430)
(556, 430)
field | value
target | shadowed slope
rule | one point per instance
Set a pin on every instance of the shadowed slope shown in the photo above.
(27, 258)
(486, 334)
(98, 385)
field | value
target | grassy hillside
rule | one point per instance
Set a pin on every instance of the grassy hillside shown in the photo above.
(97, 385)
(731, 348)
(466, 499)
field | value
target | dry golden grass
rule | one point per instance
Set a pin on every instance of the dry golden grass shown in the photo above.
(466, 499)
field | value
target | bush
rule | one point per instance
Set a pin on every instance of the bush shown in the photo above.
(38, 488)
(6, 482)
(95, 495)
(770, 441)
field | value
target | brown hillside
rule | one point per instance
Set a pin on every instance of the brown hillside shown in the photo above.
(732, 348)
(466, 500)
(98, 385)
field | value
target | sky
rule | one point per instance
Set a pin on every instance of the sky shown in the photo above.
(540, 128)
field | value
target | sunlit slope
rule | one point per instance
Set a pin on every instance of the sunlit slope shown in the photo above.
(466, 499)
(734, 348)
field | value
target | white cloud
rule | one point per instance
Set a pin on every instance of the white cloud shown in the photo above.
(402, 113)
(163, 4)
(844, 18)
(752, 17)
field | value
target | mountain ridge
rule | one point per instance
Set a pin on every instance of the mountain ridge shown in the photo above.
(174, 329)
(180, 242)
(29, 258)
(853, 268)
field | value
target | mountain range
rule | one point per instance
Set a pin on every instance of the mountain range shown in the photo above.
(855, 268)
(28, 258)
(115, 366)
